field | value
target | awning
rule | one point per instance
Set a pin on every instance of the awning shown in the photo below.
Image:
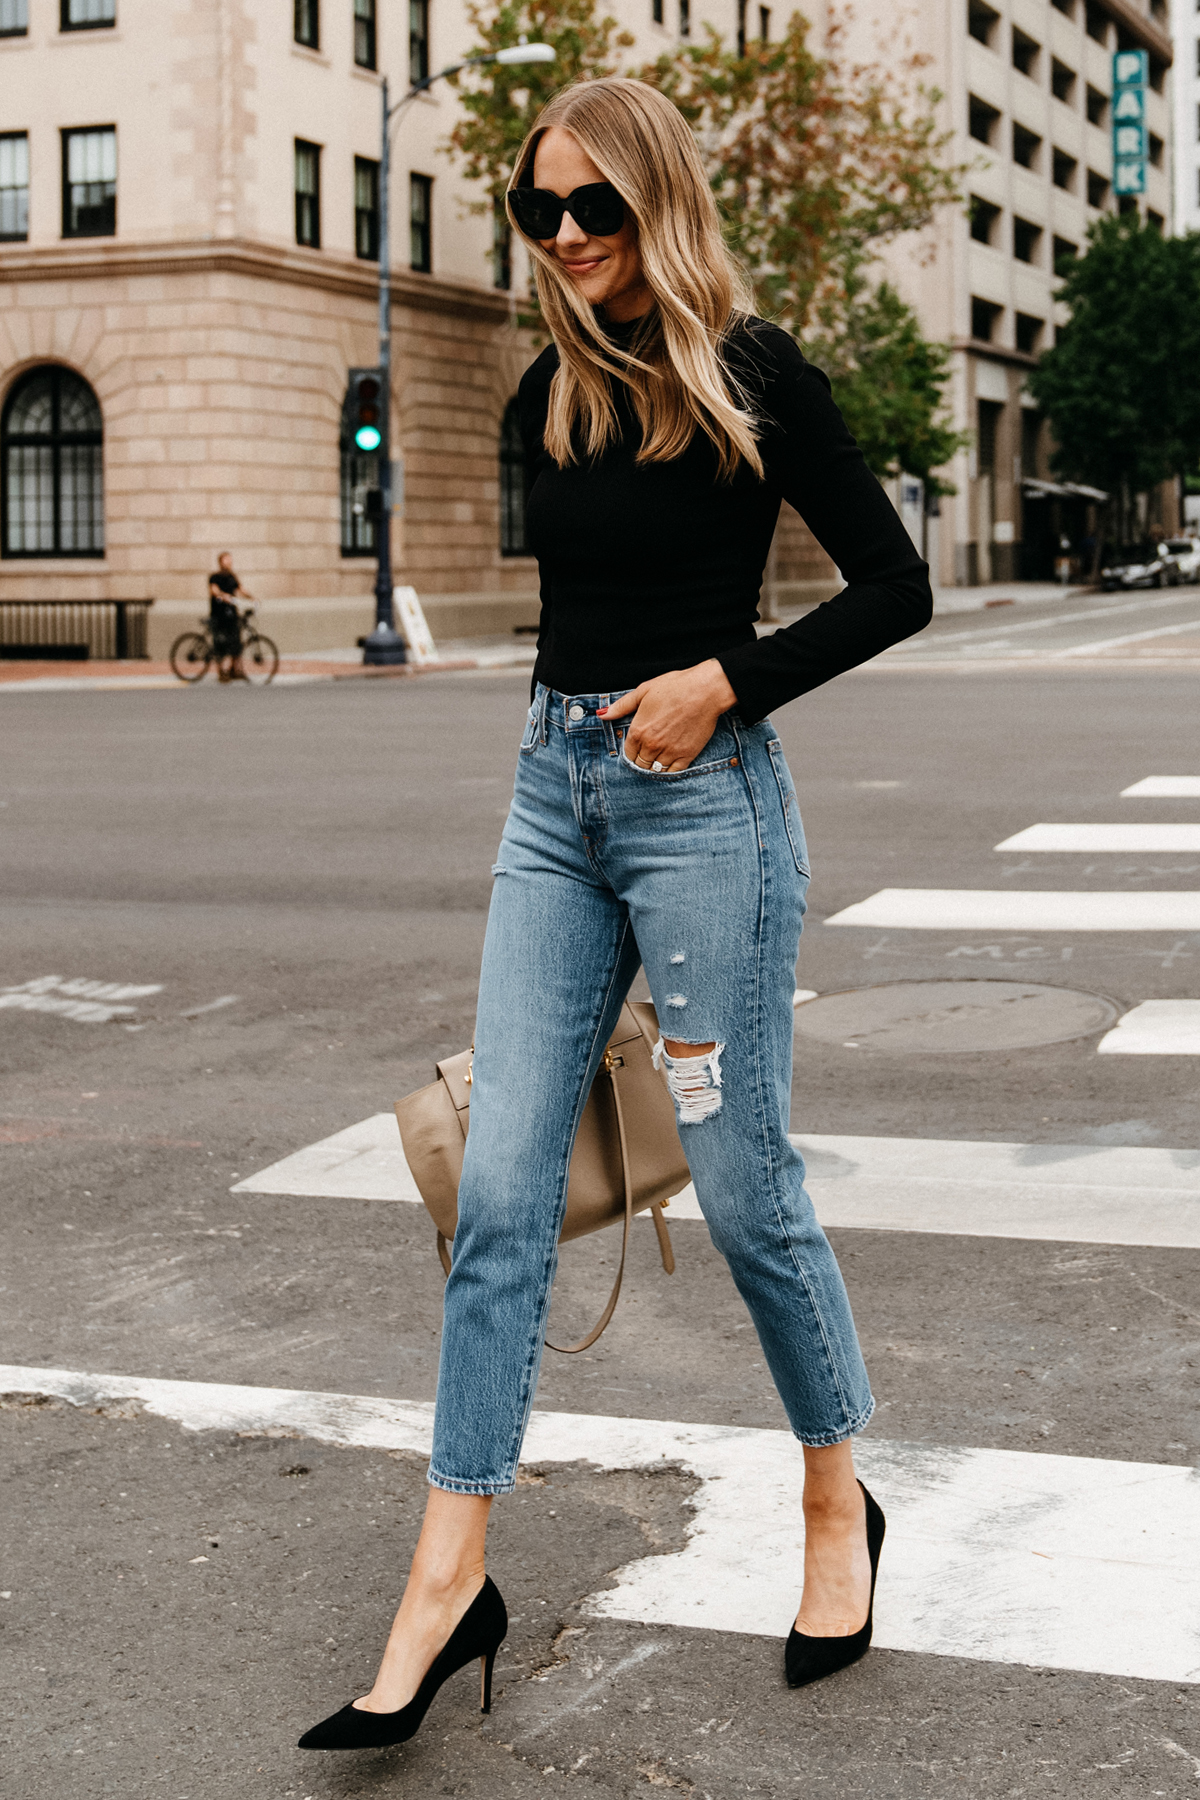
(1062, 490)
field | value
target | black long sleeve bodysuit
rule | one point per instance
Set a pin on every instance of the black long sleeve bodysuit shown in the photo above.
(659, 567)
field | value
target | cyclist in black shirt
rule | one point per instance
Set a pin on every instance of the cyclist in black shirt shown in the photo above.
(224, 589)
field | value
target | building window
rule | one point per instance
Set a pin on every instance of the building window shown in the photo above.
(360, 496)
(1063, 171)
(418, 40)
(1025, 146)
(656, 11)
(14, 186)
(1025, 53)
(982, 119)
(86, 15)
(1066, 7)
(420, 215)
(89, 197)
(984, 314)
(1062, 82)
(501, 247)
(1097, 106)
(1031, 434)
(14, 18)
(364, 34)
(1097, 186)
(1064, 252)
(1156, 150)
(982, 21)
(1029, 333)
(514, 478)
(685, 18)
(52, 465)
(1026, 238)
(306, 23)
(1158, 70)
(741, 26)
(764, 24)
(1097, 23)
(983, 219)
(366, 208)
(1155, 221)
(308, 194)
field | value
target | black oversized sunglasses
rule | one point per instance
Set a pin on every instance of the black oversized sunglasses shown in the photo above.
(597, 209)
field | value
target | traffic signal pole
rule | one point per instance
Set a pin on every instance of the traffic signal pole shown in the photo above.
(385, 645)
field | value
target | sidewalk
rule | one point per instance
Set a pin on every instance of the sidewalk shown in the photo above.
(294, 671)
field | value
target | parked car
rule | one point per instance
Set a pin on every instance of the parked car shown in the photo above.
(1185, 554)
(1145, 565)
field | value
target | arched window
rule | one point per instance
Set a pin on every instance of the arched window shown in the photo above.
(51, 458)
(514, 485)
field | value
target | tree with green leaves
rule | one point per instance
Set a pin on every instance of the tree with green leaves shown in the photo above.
(1121, 386)
(815, 165)
(501, 102)
(889, 381)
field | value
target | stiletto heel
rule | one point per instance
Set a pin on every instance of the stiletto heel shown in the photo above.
(808, 1659)
(479, 1633)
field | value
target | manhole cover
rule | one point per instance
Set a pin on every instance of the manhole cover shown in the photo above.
(953, 1015)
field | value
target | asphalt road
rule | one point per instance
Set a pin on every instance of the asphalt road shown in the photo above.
(322, 853)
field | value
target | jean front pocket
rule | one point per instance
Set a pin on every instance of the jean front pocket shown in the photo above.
(791, 807)
(720, 752)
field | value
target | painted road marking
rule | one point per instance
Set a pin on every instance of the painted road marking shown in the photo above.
(1133, 637)
(1121, 838)
(194, 1012)
(982, 909)
(1164, 787)
(88, 1002)
(995, 1555)
(1156, 1028)
(1060, 1192)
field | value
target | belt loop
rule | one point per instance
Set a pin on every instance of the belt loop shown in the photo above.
(543, 707)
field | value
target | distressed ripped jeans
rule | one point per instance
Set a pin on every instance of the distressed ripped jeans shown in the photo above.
(700, 877)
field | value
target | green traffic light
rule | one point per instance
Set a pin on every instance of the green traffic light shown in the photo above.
(367, 437)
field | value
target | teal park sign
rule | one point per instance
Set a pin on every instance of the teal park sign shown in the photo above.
(1130, 75)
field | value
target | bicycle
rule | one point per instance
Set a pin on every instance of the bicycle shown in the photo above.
(194, 652)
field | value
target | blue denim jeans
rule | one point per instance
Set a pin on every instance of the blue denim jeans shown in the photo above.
(700, 877)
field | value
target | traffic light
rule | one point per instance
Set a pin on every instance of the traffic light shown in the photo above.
(366, 416)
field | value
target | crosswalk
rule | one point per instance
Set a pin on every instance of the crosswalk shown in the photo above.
(1155, 1027)
(1001, 1556)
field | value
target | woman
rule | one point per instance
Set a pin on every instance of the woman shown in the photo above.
(654, 821)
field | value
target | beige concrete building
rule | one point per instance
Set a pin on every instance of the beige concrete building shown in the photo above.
(188, 209)
(1029, 98)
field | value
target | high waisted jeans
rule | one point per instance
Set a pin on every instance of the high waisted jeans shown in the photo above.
(700, 877)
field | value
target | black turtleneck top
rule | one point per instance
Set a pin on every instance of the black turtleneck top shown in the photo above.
(659, 567)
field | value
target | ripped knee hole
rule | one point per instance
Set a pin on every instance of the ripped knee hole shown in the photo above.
(693, 1073)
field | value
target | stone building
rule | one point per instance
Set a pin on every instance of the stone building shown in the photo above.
(188, 226)
(1035, 92)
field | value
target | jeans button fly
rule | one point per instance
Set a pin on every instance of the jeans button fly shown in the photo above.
(575, 712)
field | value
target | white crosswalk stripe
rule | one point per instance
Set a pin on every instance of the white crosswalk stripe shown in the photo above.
(983, 909)
(1164, 787)
(1002, 1556)
(1058, 1192)
(1156, 1028)
(1102, 839)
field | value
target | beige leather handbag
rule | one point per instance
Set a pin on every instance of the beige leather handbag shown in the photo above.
(627, 1157)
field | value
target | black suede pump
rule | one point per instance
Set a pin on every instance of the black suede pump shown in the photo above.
(479, 1633)
(807, 1659)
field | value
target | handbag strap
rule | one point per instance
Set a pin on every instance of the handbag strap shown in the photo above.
(612, 1062)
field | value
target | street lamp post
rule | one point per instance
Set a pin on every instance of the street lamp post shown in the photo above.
(385, 645)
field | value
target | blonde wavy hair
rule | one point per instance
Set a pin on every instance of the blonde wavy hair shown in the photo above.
(673, 365)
